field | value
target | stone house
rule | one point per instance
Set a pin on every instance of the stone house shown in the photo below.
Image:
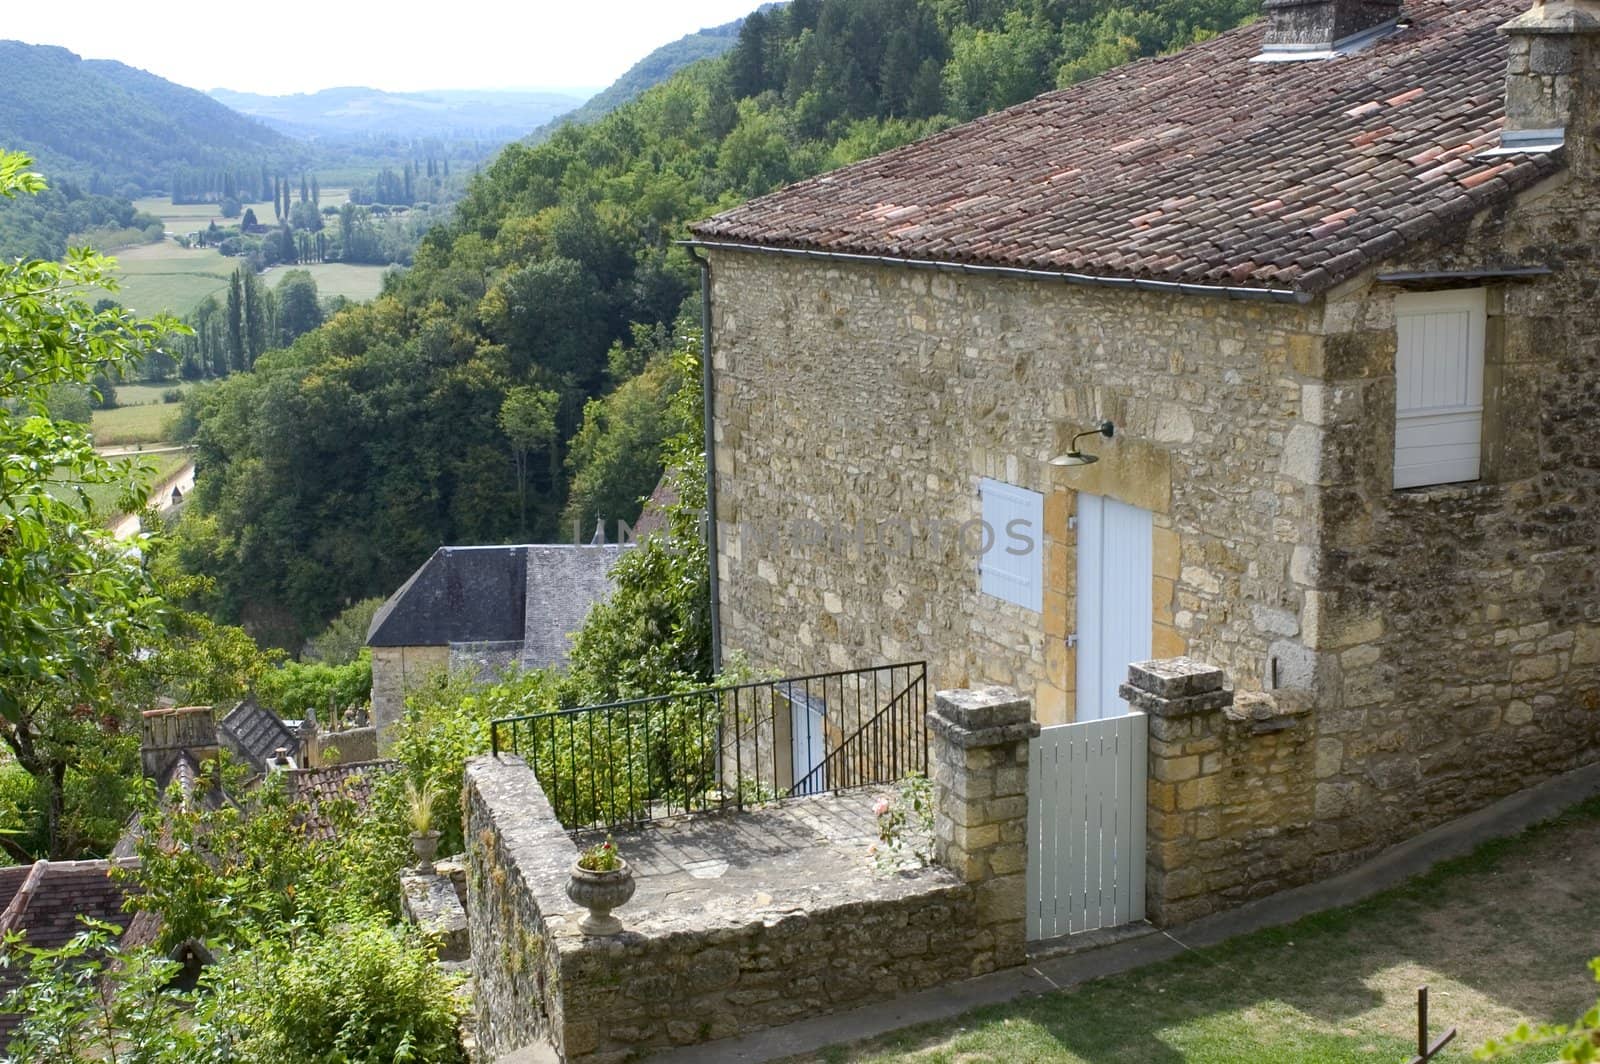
(1331, 278)
(484, 608)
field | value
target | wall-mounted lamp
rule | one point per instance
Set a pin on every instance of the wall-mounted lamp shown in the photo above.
(1075, 457)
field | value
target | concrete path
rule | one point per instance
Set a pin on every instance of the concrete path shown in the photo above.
(1390, 868)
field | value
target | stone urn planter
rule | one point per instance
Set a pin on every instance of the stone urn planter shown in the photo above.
(425, 844)
(600, 892)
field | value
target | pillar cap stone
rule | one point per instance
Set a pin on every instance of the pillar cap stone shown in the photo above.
(1175, 677)
(982, 716)
(1557, 17)
(1176, 687)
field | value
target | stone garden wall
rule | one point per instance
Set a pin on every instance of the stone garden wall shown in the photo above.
(682, 974)
(1231, 793)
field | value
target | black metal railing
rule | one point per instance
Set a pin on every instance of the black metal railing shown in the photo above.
(724, 747)
(876, 749)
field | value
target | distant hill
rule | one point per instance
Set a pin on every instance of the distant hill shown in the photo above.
(650, 71)
(121, 130)
(343, 113)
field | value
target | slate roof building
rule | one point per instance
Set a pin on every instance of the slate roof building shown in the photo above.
(1331, 278)
(484, 608)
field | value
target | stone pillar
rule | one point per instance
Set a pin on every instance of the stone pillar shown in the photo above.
(1186, 701)
(980, 798)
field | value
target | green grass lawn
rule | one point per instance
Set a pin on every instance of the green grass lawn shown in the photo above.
(166, 277)
(132, 420)
(1501, 936)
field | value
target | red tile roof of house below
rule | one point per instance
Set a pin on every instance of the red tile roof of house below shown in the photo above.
(1200, 167)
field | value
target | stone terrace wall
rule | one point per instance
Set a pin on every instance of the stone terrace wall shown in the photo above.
(517, 861)
(681, 978)
(863, 397)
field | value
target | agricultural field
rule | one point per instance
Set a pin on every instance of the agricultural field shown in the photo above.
(140, 417)
(181, 218)
(168, 277)
(354, 281)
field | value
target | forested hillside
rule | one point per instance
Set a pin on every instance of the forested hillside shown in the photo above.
(527, 338)
(118, 130)
(650, 71)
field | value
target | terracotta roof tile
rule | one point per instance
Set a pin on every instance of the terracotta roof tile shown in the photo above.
(313, 786)
(1196, 166)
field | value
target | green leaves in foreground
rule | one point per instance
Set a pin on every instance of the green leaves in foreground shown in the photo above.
(70, 595)
(1579, 1041)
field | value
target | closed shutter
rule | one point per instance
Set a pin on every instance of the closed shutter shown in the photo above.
(1438, 431)
(1013, 566)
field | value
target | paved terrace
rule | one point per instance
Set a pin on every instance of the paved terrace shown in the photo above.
(712, 869)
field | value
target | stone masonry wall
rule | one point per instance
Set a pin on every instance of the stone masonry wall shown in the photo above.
(682, 976)
(394, 671)
(1457, 628)
(869, 401)
(517, 858)
(1230, 795)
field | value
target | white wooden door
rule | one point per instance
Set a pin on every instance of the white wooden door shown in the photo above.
(1438, 428)
(1116, 557)
(1086, 826)
(808, 731)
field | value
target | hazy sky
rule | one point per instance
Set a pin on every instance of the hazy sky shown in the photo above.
(281, 48)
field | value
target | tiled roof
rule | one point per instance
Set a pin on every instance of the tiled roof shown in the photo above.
(459, 595)
(524, 599)
(1201, 167)
(313, 786)
(255, 733)
(44, 901)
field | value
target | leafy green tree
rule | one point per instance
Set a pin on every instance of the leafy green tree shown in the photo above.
(551, 315)
(528, 418)
(991, 69)
(72, 599)
(236, 325)
(653, 635)
(298, 689)
(616, 456)
(91, 1000)
(346, 635)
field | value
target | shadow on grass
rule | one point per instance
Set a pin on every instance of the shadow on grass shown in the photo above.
(1505, 932)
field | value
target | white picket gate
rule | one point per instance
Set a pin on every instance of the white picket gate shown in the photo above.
(1086, 824)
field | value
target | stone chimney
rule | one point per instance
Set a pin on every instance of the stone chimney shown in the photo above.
(1551, 79)
(166, 733)
(1320, 25)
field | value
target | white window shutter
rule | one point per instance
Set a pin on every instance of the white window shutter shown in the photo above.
(1438, 431)
(1013, 567)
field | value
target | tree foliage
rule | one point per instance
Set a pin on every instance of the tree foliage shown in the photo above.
(73, 600)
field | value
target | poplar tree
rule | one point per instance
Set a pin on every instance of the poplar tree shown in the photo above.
(235, 311)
